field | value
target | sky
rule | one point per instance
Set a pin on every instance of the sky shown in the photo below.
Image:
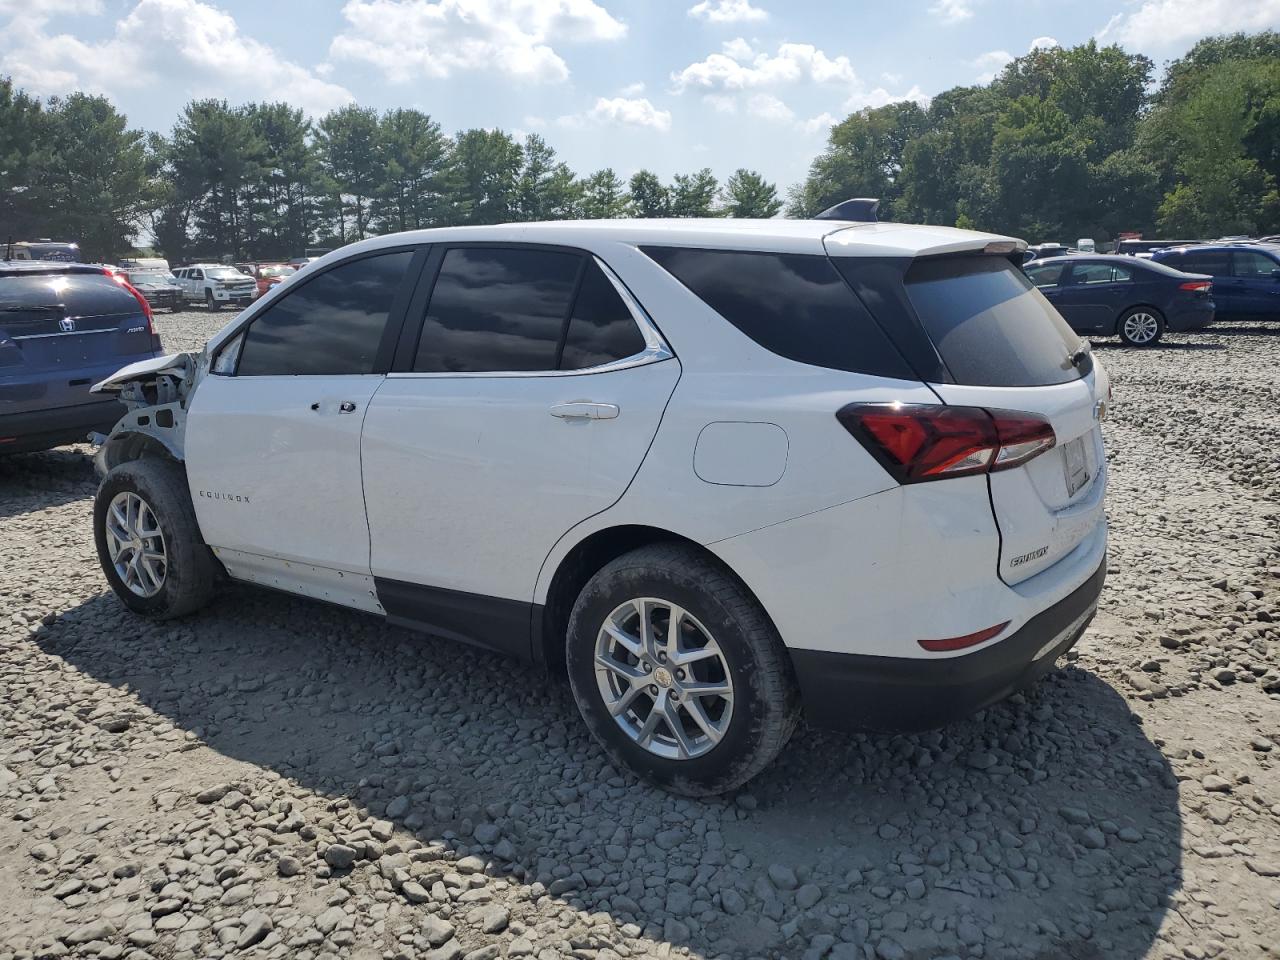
(668, 85)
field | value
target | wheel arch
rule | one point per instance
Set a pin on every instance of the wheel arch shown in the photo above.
(129, 445)
(581, 562)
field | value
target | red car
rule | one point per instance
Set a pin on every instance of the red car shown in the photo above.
(266, 275)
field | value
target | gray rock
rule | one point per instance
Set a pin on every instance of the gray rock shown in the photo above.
(732, 902)
(340, 856)
(808, 895)
(490, 919)
(436, 929)
(782, 877)
(451, 950)
(95, 930)
(254, 927)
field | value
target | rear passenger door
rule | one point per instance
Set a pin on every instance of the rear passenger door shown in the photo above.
(1093, 296)
(521, 404)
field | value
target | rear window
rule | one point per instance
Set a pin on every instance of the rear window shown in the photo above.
(68, 295)
(989, 324)
(795, 305)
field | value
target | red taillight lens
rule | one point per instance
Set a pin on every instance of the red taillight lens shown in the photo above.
(916, 442)
(137, 295)
(1197, 286)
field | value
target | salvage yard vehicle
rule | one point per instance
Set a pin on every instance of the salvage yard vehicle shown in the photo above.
(154, 280)
(64, 326)
(1113, 296)
(1246, 278)
(717, 471)
(214, 284)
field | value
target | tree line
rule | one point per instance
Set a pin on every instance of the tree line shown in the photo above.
(1079, 142)
(1063, 143)
(262, 181)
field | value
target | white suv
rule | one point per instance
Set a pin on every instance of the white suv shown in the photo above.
(722, 472)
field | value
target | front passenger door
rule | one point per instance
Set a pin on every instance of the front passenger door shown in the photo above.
(273, 432)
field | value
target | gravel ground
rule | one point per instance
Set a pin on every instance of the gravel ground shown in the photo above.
(277, 778)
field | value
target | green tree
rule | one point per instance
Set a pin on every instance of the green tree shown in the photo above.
(415, 154)
(649, 198)
(20, 135)
(347, 141)
(285, 190)
(747, 194)
(863, 158)
(694, 194)
(604, 196)
(215, 156)
(91, 175)
(484, 171)
(548, 189)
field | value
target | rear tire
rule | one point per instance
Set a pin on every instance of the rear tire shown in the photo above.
(724, 642)
(148, 541)
(1140, 327)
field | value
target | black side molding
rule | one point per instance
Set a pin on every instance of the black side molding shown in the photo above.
(495, 623)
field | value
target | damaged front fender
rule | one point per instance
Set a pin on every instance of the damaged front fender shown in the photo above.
(156, 394)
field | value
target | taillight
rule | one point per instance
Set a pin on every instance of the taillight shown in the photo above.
(916, 442)
(1197, 286)
(137, 295)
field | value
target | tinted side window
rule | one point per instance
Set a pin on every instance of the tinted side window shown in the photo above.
(497, 309)
(1250, 263)
(1214, 263)
(601, 328)
(1099, 273)
(795, 305)
(332, 324)
(1047, 275)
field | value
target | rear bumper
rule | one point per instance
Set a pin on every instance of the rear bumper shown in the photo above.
(42, 429)
(1193, 316)
(851, 691)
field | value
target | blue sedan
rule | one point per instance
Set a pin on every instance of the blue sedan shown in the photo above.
(1246, 277)
(1135, 300)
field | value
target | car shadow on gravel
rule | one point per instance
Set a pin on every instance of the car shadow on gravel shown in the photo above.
(1162, 346)
(37, 481)
(1044, 827)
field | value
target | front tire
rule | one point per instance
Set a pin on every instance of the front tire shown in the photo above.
(148, 541)
(209, 302)
(697, 710)
(1140, 327)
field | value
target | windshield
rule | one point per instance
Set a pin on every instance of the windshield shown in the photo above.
(224, 273)
(275, 271)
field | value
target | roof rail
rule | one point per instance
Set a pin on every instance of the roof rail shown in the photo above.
(858, 209)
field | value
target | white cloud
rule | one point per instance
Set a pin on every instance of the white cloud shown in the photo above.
(891, 78)
(721, 102)
(952, 11)
(632, 89)
(991, 63)
(768, 107)
(407, 39)
(880, 97)
(1043, 43)
(185, 43)
(737, 48)
(1167, 24)
(727, 11)
(43, 9)
(821, 123)
(742, 71)
(620, 111)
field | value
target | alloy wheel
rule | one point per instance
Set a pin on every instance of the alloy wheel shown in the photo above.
(663, 678)
(135, 544)
(1141, 327)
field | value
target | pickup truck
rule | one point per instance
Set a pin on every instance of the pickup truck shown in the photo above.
(214, 284)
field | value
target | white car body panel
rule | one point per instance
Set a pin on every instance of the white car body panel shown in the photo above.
(470, 480)
(295, 469)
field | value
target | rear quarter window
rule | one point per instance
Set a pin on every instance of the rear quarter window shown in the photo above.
(989, 323)
(794, 305)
